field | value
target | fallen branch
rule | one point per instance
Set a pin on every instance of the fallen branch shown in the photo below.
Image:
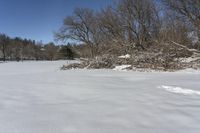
(191, 50)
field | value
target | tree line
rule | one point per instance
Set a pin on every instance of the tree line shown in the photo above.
(17, 49)
(133, 25)
(124, 27)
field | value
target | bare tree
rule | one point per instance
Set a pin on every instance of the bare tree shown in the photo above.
(51, 51)
(111, 30)
(174, 30)
(4, 40)
(139, 18)
(81, 26)
(188, 10)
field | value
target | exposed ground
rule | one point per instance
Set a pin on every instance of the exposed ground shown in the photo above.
(37, 97)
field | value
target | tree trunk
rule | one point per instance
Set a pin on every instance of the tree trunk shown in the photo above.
(4, 52)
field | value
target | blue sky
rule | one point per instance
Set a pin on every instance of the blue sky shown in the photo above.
(38, 19)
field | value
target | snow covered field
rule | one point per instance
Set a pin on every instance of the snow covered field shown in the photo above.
(36, 97)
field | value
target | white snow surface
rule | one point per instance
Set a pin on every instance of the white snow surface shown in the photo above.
(37, 97)
(121, 68)
(127, 56)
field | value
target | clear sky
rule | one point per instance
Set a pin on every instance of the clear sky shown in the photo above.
(38, 19)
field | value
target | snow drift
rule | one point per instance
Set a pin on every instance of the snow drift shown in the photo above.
(180, 90)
